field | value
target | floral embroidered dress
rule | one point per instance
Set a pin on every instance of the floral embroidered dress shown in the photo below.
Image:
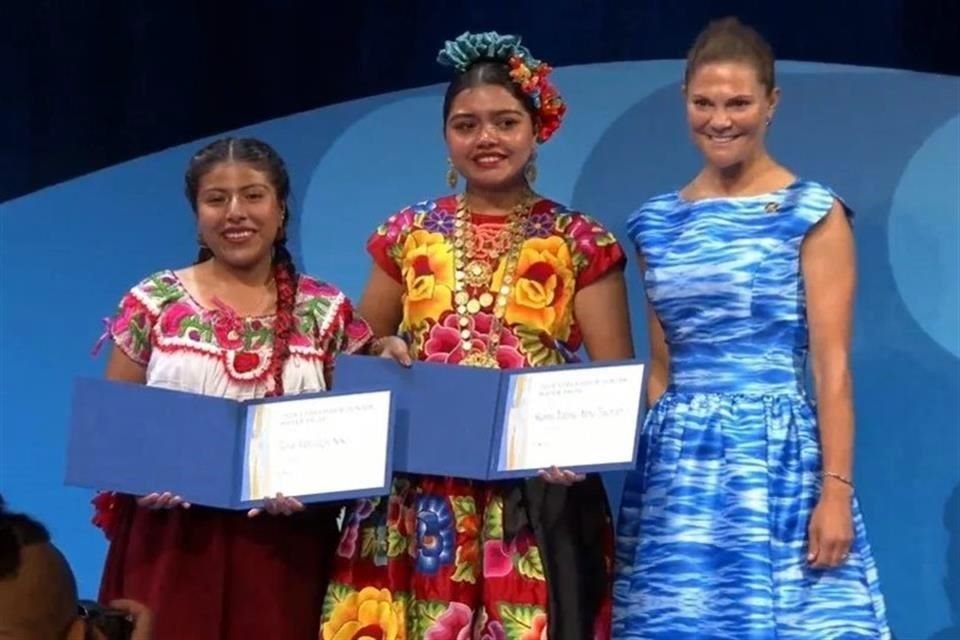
(206, 573)
(452, 558)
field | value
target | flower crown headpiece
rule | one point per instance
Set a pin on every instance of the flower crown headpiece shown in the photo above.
(526, 71)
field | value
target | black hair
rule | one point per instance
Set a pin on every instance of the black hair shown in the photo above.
(487, 71)
(17, 531)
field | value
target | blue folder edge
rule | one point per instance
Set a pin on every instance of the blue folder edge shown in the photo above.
(95, 452)
(497, 437)
(445, 413)
(134, 439)
(352, 372)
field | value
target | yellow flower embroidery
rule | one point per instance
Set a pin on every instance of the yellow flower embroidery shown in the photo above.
(369, 613)
(544, 286)
(427, 268)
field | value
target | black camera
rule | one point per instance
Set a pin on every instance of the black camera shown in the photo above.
(113, 624)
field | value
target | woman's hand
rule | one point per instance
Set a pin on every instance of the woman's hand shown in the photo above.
(553, 475)
(165, 500)
(830, 532)
(393, 347)
(139, 614)
(279, 505)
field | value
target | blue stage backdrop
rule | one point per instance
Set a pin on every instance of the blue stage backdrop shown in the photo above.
(886, 140)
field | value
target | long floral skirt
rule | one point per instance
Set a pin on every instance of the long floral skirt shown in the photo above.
(433, 561)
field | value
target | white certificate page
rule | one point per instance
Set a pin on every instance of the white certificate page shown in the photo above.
(318, 445)
(572, 417)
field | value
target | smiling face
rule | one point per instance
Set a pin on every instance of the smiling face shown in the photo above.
(490, 136)
(728, 110)
(239, 214)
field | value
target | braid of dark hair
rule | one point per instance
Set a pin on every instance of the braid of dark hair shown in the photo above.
(285, 276)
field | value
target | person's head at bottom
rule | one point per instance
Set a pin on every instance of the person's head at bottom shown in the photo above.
(38, 592)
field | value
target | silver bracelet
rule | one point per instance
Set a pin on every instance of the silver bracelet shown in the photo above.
(836, 476)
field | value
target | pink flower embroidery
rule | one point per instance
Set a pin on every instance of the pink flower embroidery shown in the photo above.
(584, 233)
(229, 332)
(227, 327)
(498, 555)
(453, 624)
(171, 320)
(298, 338)
(443, 343)
(357, 330)
(486, 629)
(128, 309)
(315, 289)
(496, 559)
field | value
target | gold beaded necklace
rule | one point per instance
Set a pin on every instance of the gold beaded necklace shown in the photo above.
(473, 269)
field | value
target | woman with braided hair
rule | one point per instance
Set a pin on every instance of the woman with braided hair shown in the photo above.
(240, 323)
(494, 276)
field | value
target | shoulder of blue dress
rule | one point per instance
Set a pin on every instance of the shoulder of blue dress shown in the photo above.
(650, 212)
(813, 200)
(810, 201)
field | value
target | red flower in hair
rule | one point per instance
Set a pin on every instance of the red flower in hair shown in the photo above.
(534, 82)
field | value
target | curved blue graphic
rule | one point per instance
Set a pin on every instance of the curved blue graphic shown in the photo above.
(924, 216)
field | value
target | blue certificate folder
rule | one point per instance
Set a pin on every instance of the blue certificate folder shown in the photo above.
(136, 439)
(450, 419)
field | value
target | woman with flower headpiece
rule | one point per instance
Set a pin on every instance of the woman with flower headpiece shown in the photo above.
(498, 277)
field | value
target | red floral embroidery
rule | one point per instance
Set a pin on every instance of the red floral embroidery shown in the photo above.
(444, 344)
(246, 361)
(453, 624)
(171, 321)
(228, 329)
(317, 289)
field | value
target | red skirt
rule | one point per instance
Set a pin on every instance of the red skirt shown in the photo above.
(209, 574)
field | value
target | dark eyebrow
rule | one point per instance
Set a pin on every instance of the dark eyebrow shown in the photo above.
(739, 96)
(252, 185)
(501, 112)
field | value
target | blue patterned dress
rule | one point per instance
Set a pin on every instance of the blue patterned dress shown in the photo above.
(713, 528)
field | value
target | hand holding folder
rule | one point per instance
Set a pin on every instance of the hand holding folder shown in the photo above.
(487, 424)
(230, 454)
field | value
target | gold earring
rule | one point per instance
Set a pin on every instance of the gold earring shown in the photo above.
(452, 175)
(530, 171)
